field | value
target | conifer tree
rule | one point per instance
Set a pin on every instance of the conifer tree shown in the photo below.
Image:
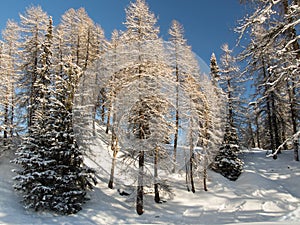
(227, 162)
(53, 176)
(11, 40)
(178, 62)
(276, 45)
(33, 29)
(141, 28)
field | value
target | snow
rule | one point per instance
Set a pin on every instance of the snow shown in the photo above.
(267, 192)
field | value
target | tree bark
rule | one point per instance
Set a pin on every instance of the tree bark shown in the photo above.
(156, 190)
(205, 174)
(140, 188)
(114, 148)
(176, 121)
(191, 172)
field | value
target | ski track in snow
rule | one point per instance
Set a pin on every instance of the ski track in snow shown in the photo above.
(267, 192)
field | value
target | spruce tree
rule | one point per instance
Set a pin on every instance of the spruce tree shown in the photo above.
(53, 176)
(227, 162)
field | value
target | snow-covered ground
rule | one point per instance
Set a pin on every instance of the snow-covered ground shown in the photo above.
(267, 192)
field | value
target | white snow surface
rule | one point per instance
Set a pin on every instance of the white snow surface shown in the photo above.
(267, 192)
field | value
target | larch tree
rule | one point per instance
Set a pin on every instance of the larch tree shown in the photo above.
(33, 28)
(183, 64)
(178, 61)
(79, 39)
(279, 20)
(113, 49)
(11, 39)
(78, 43)
(141, 30)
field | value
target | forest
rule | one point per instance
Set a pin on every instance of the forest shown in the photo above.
(159, 114)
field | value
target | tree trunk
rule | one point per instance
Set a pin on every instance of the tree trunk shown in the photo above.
(108, 119)
(114, 148)
(292, 94)
(257, 132)
(252, 139)
(175, 141)
(6, 125)
(176, 121)
(187, 177)
(205, 174)
(275, 122)
(140, 188)
(272, 145)
(269, 112)
(191, 172)
(12, 114)
(156, 191)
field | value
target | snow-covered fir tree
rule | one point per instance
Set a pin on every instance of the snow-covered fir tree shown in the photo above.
(227, 162)
(52, 176)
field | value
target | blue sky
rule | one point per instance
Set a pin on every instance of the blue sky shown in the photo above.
(208, 24)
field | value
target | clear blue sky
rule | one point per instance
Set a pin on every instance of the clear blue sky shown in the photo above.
(207, 23)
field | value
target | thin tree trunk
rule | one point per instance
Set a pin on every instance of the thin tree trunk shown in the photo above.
(191, 172)
(175, 141)
(94, 119)
(5, 131)
(205, 173)
(176, 121)
(114, 148)
(292, 35)
(252, 140)
(270, 125)
(269, 113)
(108, 118)
(140, 188)
(191, 161)
(187, 176)
(12, 114)
(257, 132)
(275, 123)
(156, 191)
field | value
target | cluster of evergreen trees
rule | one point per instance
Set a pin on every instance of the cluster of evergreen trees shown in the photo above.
(40, 68)
(272, 62)
(149, 93)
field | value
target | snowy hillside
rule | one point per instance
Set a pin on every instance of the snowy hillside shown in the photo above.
(268, 192)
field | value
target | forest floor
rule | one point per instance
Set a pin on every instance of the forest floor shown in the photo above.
(267, 192)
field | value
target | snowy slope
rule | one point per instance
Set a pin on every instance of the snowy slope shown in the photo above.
(266, 193)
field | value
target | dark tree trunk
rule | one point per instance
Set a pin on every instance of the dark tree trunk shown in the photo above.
(108, 119)
(114, 148)
(140, 188)
(12, 114)
(191, 171)
(275, 122)
(176, 121)
(292, 94)
(5, 131)
(252, 139)
(156, 190)
(257, 132)
(187, 176)
(205, 174)
(269, 112)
